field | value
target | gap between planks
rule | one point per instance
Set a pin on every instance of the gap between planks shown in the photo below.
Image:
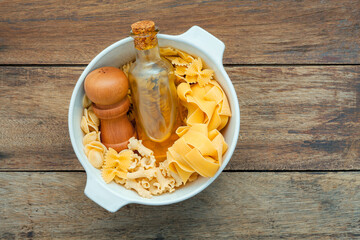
(225, 65)
(227, 171)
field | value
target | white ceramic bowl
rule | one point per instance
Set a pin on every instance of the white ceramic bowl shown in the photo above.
(195, 41)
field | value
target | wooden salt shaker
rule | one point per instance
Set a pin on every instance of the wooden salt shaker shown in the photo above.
(107, 88)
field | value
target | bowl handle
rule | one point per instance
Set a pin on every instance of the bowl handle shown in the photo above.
(204, 41)
(102, 196)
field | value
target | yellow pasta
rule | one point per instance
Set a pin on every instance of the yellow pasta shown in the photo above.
(116, 164)
(180, 70)
(132, 184)
(118, 180)
(187, 57)
(142, 173)
(89, 121)
(84, 125)
(199, 149)
(145, 184)
(125, 68)
(95, 158)
(97, 145)
(86, 102)
(163, 181)
(95, 151)
(90, 137)
(90, 116)
(201, 146)
(207, 105)
(168, 51)
(136, 145)
(178, 61)
(195, 73)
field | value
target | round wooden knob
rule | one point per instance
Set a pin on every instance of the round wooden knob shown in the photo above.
(107, 88)
(106, 85)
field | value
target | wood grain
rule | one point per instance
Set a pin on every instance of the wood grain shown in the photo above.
(237, 205)
(292, 118)
(34, 108)
(266, 32)
(296, 118)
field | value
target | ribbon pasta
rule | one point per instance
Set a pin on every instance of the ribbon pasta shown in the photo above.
(200, 148)
(198, 151)
(207, 105)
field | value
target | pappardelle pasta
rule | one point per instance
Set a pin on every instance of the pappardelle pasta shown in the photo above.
(198, 150)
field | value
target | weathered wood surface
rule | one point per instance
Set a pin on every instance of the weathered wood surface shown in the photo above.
(237, 205)
(298, 118)
(287, 32)
(292, 118)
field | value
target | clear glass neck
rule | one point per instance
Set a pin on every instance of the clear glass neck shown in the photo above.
(150, 54)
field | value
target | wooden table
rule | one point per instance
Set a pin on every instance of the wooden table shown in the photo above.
(295, 171)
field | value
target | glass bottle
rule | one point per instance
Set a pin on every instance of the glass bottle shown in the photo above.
(152, 85)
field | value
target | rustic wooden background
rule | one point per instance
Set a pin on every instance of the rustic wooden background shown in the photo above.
(295, 172)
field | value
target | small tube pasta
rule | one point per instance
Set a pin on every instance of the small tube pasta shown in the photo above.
(132, 184)
(145, 184)
(142, 173)
(136, 145)
(198, 151)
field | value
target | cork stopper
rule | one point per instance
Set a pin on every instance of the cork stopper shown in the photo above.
(144, 34)
(143, 27)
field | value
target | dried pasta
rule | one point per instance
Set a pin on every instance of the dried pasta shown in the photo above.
(89, 121)
(86, 102)
(116, 164)
(148, 173)
(201, 146)
(93, 148)
(126, 67)
(95, 152)
(195, 74)
(207, 104)
(199, 149)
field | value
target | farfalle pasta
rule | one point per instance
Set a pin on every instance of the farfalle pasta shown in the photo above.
(116, 164)
(196, 74)
(200, 146)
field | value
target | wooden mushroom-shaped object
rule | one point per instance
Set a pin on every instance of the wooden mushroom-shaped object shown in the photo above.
(107, 88)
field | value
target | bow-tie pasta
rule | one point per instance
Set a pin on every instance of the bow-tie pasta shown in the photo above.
(198, 150)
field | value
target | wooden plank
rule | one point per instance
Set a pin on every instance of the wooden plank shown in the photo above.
(296, 118)
(292, 118)
(237, 205)
(34, 108)
(52, 32)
